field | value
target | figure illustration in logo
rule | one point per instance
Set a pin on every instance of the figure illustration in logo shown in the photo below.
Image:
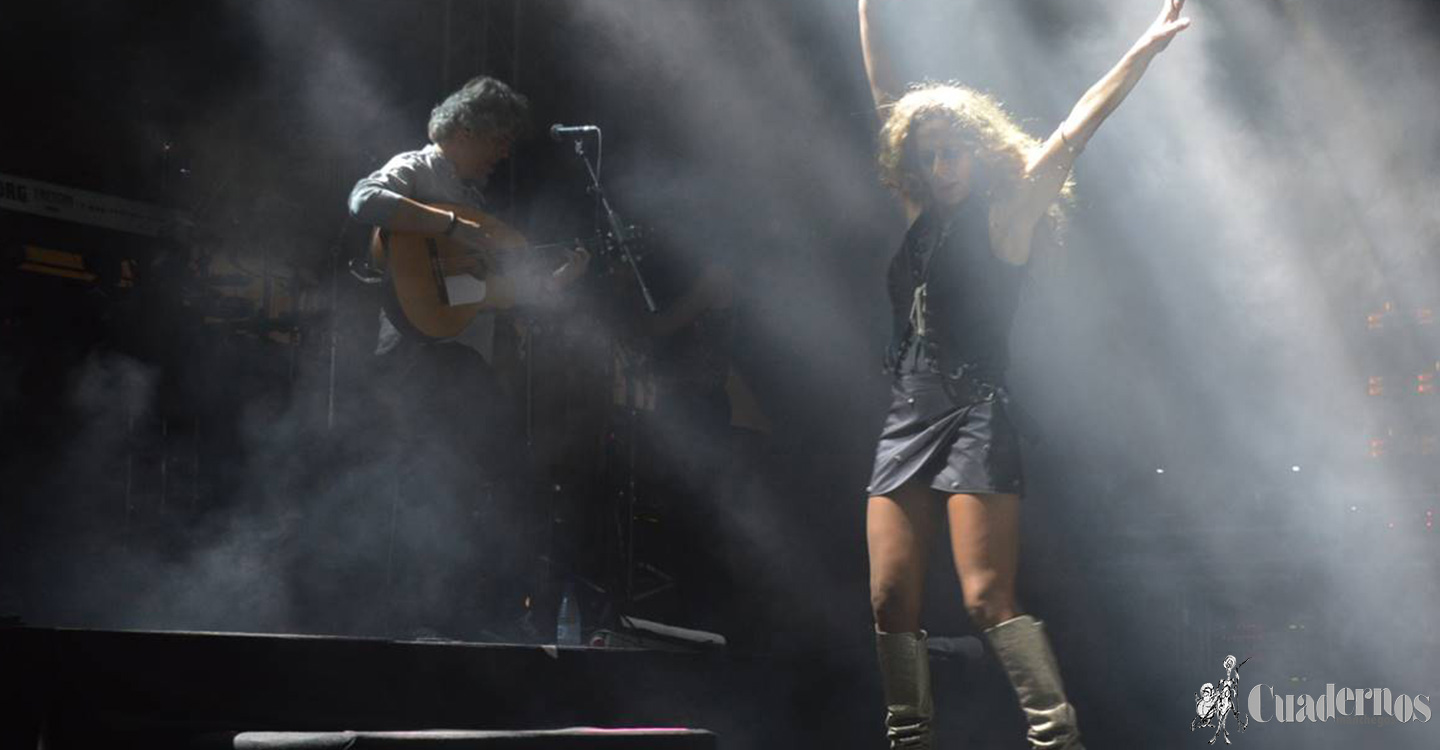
(1214, 706)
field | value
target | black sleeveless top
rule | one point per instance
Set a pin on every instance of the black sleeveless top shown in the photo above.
(968, 302)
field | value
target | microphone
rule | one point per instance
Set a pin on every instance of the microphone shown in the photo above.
(560, 132)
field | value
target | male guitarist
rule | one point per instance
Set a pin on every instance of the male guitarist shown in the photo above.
(470, 132)
(454, 435)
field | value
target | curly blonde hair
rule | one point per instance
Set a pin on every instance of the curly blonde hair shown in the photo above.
(982, 123)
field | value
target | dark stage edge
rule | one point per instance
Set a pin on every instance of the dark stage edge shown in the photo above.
(577, 738)
(96, 688)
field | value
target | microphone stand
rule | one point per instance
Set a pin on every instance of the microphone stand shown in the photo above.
(618, 609)
(617, 229)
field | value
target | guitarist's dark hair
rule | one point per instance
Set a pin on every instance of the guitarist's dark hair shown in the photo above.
(482, 105)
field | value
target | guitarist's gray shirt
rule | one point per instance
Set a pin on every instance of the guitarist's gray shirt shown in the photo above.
(428, 177)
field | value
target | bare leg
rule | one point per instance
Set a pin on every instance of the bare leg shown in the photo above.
(898, 529)
(985, 535)
(985, 542)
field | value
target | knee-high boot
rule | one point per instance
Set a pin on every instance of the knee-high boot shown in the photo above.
(905, 676)
(1024, 652)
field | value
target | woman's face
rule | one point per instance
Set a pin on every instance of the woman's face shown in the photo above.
(944, 161)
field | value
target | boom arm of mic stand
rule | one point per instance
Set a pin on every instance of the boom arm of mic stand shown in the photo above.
(617, 229)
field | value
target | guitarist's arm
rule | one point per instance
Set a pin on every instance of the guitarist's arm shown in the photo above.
(532, 287)
(420, 218)
(390, 210)
(380, 200)
(525, 284)
(413, 216)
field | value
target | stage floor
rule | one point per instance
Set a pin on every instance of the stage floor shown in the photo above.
(166, 688)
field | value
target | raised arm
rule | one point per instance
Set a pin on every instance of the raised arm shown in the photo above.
(885, 86)
(1050, 165)
(1102, 98)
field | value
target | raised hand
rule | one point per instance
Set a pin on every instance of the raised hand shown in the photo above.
(1166, 26)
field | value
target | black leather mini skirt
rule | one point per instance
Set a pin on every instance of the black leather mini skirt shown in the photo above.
(968, 447)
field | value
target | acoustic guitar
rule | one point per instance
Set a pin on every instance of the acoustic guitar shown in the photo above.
(433, 282)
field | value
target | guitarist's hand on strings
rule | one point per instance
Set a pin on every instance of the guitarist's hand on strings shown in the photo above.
(577, 260)
(474, 237)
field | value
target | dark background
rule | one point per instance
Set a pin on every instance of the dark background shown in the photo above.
(1237, 221)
